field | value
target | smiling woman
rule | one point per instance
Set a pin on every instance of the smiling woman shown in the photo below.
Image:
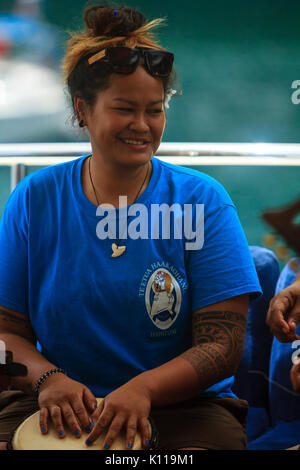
(155, 326)
(119, 94)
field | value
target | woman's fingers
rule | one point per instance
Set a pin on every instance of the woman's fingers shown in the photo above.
(70, 419)
(56, 416)
(113, 425)
(131, 433)
(89, 400)
(68, 404)
(102, 423)
(125, 408)
(97, 411)
(113, 431)
(72, 414)
(280, 319)
(283, 332)
(44, 420)
(82, 415)
(146, 432)
(106, 422)
(74, 418)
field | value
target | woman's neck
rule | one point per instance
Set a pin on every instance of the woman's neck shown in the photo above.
(104, 184)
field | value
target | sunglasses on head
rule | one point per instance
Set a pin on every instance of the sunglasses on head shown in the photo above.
(125, 60)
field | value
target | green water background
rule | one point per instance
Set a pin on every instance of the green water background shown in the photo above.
(235, 62)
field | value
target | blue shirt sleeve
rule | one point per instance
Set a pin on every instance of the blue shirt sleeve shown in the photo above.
(223, 267)
(14, 252)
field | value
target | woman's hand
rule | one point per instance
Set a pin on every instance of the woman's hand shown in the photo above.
(65, 401)
(283, 315)
(127, 407)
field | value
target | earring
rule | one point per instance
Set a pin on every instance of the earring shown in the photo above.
(81, 123)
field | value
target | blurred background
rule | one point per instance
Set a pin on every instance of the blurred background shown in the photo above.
(236, 63)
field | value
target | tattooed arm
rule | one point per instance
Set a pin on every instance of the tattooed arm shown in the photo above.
(18, 336)
(218, 342)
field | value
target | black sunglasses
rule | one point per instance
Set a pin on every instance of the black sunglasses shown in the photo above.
(125, 60)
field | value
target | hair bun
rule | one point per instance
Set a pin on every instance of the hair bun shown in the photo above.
(102, 21)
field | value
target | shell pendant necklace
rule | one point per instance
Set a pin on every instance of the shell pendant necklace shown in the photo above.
(117, 250)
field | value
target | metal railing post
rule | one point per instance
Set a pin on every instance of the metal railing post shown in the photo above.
(17, 173)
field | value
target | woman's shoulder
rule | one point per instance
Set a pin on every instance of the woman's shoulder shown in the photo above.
(45, 177)
(56, 171)
(42, 183)
(191, 180)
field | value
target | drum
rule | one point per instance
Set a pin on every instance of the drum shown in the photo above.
(27, 436)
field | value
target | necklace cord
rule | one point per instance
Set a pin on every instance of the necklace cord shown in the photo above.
(95, 192)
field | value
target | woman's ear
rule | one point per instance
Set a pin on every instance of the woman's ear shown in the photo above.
(80, 110)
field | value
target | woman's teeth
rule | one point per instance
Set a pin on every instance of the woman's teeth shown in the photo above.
(134, 142)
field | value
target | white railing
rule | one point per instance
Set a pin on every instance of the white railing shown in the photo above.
(18, 156)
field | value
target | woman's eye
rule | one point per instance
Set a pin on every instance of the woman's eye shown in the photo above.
(131, 110)
(126, 110)
(155, 111)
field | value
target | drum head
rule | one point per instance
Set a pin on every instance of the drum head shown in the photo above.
(28, 436)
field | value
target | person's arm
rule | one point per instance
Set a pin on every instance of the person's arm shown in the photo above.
(17, 334)
(283, 315)
(218, 341)
(59, 396)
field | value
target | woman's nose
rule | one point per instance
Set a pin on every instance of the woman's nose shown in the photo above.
(139, 123)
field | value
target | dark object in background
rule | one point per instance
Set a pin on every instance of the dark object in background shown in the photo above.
(10, 369)
(282, 221)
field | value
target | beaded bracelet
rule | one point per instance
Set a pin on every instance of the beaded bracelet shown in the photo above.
(43, 377)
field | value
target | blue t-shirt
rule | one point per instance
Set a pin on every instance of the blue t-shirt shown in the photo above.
(102, 319)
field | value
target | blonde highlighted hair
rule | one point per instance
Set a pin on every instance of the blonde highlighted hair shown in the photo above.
(86, 43)
(84, 73)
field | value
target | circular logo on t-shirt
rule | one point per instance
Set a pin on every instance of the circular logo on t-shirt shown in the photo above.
(163, 298)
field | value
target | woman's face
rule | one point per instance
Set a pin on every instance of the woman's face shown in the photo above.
(128, 119)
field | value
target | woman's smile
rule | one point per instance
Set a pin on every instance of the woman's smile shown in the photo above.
(136, 145)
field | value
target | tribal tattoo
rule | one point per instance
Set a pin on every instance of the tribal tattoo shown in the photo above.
(10, 317)
(15, 323)
(218, 342)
